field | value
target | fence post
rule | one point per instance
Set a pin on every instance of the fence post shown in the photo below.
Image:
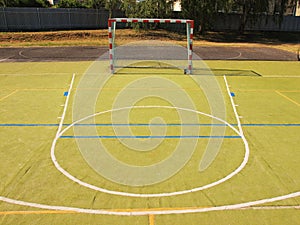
(69, 13)
(5, 20)
(39, 18)
(97, 18)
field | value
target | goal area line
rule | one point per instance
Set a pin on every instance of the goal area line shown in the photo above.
(171, 70)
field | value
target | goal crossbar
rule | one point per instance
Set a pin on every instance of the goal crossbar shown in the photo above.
(111, 36)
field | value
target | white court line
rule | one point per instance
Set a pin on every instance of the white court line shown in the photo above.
(234, 107)
(244, 205)
(65, 107)
(21, 54)
(275, 207)
(143, 195)
(235, 57)
(127, 194)
(2, 60)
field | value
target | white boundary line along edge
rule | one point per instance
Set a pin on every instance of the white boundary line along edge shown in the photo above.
(65, 107)
(245, 205)
(234, 108)
(138, 212)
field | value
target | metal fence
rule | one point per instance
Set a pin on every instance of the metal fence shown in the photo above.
(265, 23)
(34, 19)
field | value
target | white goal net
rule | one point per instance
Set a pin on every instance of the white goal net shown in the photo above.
(151, 53)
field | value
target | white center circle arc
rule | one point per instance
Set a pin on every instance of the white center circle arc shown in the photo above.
(143, 195)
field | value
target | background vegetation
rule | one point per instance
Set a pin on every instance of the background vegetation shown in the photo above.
(202, 11)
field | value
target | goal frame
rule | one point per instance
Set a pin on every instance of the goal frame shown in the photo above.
(111, 36)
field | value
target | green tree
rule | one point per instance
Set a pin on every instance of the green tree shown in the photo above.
(7, 3)
(147, 8)
(130, 8)
(74, 4)
(97, 4)
(111, 5)
(24, 3)
(253, 10)
(155, 9)
(202, 12)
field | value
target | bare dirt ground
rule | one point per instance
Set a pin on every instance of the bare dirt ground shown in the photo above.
(88, 53)
(90, 45)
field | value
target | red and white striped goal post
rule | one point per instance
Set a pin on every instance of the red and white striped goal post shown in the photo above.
(190, 34)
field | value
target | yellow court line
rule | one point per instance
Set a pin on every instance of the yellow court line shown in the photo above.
(34, 89)
(150, 216)
(8, 95)
(154, 88)
(36, 212)
(141, 88)
(41, 89)
(151, 219)
(255, 90)
(287, 98)
(268, 90)
(104, 88)
(290, 91)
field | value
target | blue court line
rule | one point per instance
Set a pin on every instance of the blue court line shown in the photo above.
(29, 125)
(146, 136)
(270, 125)
(145, 124)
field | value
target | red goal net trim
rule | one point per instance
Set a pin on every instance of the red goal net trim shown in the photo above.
(190, 33)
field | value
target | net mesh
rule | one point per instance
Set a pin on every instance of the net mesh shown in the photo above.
(151, 53)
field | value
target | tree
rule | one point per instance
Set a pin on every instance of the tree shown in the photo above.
(202, 11)
(147, 9)
(155, 9)
(129, 7)
(75, 3)
(97, 4)
(24, 3)
(111, 5)
(253, 10)
(8, 3)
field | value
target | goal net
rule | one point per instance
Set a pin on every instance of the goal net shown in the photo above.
(151, 53)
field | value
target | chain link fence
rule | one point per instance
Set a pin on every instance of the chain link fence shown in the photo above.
(42, 19)
(34, 19)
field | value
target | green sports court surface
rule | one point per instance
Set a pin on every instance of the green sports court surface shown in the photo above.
(50, 173)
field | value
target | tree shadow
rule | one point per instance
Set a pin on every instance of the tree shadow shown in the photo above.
(251, 37)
